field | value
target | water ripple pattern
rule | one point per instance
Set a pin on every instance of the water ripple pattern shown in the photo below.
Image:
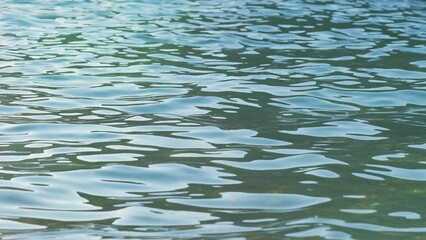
(271, 119)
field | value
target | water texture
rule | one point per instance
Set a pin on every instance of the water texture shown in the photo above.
(221, 119)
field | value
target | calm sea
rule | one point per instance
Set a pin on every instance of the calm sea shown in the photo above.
(225, 119)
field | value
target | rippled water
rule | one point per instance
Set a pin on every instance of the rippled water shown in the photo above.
(213, 119)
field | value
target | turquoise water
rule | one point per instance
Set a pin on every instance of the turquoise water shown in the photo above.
(182, 119)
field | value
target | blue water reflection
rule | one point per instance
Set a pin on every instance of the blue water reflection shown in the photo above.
(273, 119)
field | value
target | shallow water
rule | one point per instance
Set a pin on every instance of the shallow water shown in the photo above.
(212, 119)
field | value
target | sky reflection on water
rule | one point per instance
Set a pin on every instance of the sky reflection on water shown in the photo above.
(212, 119)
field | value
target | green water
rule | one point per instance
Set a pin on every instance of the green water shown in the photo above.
(183, 119)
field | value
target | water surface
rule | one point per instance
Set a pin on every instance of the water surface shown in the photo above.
(212, 119)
